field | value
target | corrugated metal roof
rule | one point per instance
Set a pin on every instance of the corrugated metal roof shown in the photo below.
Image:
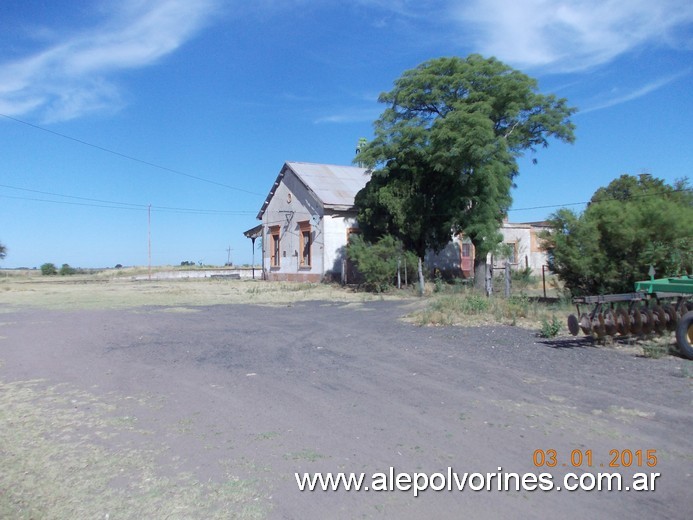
(333, 185)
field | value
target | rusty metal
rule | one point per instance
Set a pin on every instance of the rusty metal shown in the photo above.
(656, 306)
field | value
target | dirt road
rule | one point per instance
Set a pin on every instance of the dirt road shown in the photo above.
(226, 403)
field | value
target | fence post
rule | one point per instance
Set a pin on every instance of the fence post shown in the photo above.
(399, 273)
(507, 280)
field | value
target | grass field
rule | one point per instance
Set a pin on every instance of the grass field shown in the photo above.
(125, 288)
(107, 290)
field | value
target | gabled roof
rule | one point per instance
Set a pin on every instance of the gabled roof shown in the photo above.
(335, 187)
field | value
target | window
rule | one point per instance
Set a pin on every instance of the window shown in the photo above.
(274, 244)
(511, 252)
(305, 242)
(466, 249)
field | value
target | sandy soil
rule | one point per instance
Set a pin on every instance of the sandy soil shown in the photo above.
(229, 401)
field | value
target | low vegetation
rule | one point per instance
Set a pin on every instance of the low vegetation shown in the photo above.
(61, 458)
(468, 307)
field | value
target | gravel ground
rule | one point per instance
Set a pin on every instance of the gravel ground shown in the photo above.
(239, 397)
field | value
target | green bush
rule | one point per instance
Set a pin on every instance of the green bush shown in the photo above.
(550, 329)
(49, 269)
(377, 262)
(67, 270)
(632, 224)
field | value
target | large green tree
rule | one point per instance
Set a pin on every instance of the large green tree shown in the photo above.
(445, 152)
(629, 225)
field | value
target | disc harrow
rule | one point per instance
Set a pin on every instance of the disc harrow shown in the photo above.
(657, 306)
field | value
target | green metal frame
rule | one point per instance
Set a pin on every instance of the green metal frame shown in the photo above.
(679, 285)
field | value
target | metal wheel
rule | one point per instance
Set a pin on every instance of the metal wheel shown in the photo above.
(585, 324)
(573, 325)
(647, 320)
(635, 321)
(660, 319)
(622, 321)
(599, 326)
(610, 323)
(672, 317)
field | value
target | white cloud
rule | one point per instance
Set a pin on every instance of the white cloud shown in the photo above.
(356, 115)
(74, 76)
(571, 35)
(619, 97)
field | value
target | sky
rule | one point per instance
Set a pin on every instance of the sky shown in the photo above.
(130, 122)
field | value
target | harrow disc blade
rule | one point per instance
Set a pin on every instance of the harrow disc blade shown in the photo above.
(660, 319)
(585, 324)
(598, 325)
(610, 324)
(647, 320)
(573, 325)
(635, 321)
(622, 321)
(672, 317)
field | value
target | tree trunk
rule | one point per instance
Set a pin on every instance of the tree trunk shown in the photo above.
(421, 278)
(480, 273)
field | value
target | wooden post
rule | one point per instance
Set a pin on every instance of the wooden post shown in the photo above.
(507, 280)
(489, 278)
(399, 273)
(421, 278)
(543, 279)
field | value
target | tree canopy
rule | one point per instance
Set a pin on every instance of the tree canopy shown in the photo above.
(445, 151)
(629, 225)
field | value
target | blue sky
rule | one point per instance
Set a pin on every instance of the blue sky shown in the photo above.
(192, 107)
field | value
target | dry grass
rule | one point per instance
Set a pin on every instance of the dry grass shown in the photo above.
(106, 291)
(61, 457)
(469, 308)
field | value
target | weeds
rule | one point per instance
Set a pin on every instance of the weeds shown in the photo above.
(471, 308)
(657, 348)
(550, 329)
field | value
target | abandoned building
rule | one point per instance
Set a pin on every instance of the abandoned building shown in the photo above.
(309, 214)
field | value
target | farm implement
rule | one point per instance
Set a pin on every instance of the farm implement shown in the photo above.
(657, 306)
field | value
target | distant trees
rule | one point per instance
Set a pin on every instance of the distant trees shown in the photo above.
(445, 150)
(66, 270)
(3, 251)
(632, 223)
(49, 269)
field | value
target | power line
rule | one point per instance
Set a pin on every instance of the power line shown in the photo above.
(129, 157)
(607, 199)
(100, 203)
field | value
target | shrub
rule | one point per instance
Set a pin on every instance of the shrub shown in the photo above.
(550, 329)
(377, 262)
(67, 270)
(49, 269)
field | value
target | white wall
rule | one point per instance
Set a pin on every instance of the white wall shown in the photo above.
(528, 254)
(335, 238)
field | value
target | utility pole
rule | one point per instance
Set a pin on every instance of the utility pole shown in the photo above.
(149, 240)
(228, 259)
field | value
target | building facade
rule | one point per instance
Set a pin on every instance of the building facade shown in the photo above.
(307, 218)
(309, 214)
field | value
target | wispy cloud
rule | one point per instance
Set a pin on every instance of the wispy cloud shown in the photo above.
(356, 115)
(572, 35)
(619, 97)
(74, 76)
